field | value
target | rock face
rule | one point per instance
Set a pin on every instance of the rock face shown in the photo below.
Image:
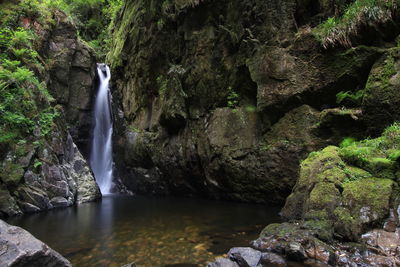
(19, 248)
(72, 77)
(44, 176)
(46, 170)
(342, 194)
(224, 99)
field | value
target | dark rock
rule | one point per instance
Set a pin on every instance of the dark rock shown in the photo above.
(234, 120)
(8, 204)
(59, 202)
(272, 259)
(28, 207)
(20, 248)
(223, 262)
(296, 252)
(245, 257)
(381, 101)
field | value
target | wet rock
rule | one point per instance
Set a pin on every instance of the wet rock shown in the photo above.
(388, 242)
(272, 259)
(34, 196)
(59, 202)
(223, 262)
(28, 207)
(245, 257)
(20, 248)
(296, 252)
(8, 204)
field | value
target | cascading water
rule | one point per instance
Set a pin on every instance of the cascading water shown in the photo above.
(101, 154)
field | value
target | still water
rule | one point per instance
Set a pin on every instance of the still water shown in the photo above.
(148, 231)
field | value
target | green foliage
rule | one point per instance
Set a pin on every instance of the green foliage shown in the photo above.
(347, 142)
(37, 163)
(338, 30)
(232, 98)
(349, 98)
(93, 19)
(24, 100)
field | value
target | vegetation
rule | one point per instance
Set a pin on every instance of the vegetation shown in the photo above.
(348, 98)
(25, 104)
(338, 30)
(232, 98)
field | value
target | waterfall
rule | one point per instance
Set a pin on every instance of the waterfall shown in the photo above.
(101, 154)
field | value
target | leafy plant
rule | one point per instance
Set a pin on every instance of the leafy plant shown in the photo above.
(232, 98)
(349, 98)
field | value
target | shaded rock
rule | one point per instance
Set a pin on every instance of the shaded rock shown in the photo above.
(223, 262)
(34, 196)
(71, 77)
(28, 207)
(20, 248)
(381, 101)
(272, 259)
(59, 202)
(245, 257)
(8, 204)
(233, 113)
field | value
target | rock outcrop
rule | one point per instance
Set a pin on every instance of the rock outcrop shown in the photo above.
(225, 104)
(343, 211)
(72, 77)
(38, 176)
(46, 169)
(18, 248)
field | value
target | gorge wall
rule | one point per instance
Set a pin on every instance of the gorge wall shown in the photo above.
(224, 98)
(44, 169)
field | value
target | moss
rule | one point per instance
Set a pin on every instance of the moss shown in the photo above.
(11, 173)
(370, 192)
(354, 173)
(323, 196)
(322, 166)
(346, 226)
(323, 229)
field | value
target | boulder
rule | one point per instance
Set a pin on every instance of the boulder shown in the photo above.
(18, 248)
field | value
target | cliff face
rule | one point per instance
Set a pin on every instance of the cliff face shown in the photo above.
(43, 168)
(224, 99)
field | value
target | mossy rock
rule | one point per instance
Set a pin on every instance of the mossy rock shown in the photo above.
(11, 173)
(368, 199)
(353, 198)
(381, 103)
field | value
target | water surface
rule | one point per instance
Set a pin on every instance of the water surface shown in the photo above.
(148, 231)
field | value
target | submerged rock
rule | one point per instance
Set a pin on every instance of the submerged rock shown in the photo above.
(20, 248)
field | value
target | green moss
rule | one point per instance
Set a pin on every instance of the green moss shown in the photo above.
(323, 196)
(382, 74)
(346, 225)
(11, 173)
(371, 192)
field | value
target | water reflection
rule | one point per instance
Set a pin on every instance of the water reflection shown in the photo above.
(148, 231)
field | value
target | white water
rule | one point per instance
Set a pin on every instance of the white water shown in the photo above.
(101, 154)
